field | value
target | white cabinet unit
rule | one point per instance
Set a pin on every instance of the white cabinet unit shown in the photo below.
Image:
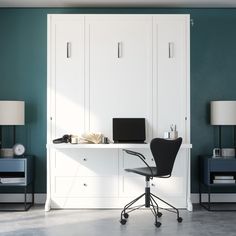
(106, 66)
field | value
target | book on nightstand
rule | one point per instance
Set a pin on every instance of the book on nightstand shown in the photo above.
(221, 177)
(224, 181)
(12, 180)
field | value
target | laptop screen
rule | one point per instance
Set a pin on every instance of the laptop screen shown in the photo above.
(129, 130)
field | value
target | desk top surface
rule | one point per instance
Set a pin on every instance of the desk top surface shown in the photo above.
(105, 146)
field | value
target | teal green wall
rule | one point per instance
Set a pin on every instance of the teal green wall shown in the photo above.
(23, 73)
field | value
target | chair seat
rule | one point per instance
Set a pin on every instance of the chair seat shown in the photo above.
(145, 171)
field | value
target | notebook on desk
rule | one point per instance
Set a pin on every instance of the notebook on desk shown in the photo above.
(129, 130)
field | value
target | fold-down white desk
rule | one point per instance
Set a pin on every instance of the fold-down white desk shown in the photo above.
(93, 176)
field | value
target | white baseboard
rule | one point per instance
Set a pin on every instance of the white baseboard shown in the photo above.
(40, 198)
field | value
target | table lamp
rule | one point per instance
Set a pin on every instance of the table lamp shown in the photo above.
(223, 113)
(12, 113)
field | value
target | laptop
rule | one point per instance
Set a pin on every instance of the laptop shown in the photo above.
(129, 130)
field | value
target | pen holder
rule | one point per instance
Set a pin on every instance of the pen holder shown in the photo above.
(105, 140)
(171, 135)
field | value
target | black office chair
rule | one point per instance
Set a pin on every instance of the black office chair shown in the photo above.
(164, 153)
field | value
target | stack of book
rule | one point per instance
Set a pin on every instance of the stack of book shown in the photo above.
(224, 179)
(12, 180)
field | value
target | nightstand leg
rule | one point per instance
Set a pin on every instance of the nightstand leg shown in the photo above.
(209, 198)
(25, 198)
(200, 194)
(32, 193)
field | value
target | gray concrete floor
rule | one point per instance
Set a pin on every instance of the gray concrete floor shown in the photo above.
(106, 223)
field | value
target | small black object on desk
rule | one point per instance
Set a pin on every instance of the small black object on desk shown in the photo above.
(216, 172)
(64, 139)
(18, 172)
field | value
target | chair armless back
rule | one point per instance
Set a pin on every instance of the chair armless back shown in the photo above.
(164, 152)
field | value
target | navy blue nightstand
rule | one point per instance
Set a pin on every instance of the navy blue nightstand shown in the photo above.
(18, 172)
(211, 167)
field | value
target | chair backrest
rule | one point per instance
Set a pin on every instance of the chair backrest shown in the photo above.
(164, 152)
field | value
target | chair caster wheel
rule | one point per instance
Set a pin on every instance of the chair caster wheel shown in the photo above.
(126, 215)
(158, 224)
(179, 219)
(159, 214)
(123, 221)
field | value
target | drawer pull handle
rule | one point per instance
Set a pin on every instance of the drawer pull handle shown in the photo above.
(153, 185)
(85, 159)
(85, 185)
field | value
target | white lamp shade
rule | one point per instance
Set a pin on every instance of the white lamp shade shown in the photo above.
(12, 112)
(223, 112)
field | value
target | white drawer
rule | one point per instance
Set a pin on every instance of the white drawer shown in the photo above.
(85, 163)
(85, 186)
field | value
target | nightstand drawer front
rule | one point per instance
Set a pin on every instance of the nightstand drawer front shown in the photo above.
(12, 165)
(223, 165)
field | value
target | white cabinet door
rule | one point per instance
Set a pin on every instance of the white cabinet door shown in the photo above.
(171, 74)
(66, 74)
(119, 66)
